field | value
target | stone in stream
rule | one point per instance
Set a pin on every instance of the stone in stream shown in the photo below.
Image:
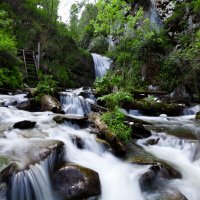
(72, 181)
(24, 124)
(50, 103)
(139, 132)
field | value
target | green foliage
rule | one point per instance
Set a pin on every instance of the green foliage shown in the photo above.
(7, 39)
(115, 123)
(111, 18)
(106, 84)
(114, 100)
(46, 86)
(10, 78)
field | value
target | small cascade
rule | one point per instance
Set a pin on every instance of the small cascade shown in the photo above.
(12, 100)
(32, 184)
(75, 104)
(102, 64)
(119, 180)
(192, 110)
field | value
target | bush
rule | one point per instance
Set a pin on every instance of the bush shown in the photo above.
(115, 123)
(10, 78)
(114, 100)
(46, 86)
(106, 84)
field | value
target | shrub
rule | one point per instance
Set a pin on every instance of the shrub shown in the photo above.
(46, 86)
(10, 78)
(115, 123)
(114, 100)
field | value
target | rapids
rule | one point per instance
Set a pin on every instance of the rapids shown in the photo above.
(178, 146)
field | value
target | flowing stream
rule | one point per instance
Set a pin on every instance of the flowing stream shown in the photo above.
(178, 146)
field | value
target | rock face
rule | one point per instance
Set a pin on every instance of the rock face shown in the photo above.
(72, 181)
(84, 72)
(24, 124)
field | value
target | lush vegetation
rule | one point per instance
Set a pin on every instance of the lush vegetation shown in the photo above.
(115, 122)
(61, 57)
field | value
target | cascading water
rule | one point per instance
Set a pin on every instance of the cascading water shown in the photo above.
(102, 64)
(32, 184)
(119, 179)
(73, 103)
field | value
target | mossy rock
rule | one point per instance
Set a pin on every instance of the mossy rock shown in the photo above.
(4, 162)
(72, 181)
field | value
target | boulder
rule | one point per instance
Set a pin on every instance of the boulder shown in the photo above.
(139, 132)
(152, 141)
(50, 103)
(24, 124)
(72, 181)
(150, 179)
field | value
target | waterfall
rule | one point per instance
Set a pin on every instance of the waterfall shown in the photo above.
(154, 16)
(102, 64)
(33, 183)
(191, 110)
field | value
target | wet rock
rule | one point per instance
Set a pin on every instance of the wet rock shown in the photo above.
(78, 142)
(74, 119)
(104, 144)
(197, 116)
(152, 141)
(139, 132)
(174, 195)
(72, 181)
(154, 108)
(29, 105)
(24, 124)
(150, 179)
(23, 152)
(50, 103)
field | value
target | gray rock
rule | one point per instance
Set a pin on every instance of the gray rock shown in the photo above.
(72, 181)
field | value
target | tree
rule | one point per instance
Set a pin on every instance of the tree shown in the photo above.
(112, 17)
(7, 39)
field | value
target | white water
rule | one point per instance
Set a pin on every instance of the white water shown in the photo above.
(119, 180)
(31, 184)
(102, 64)
(73, 103)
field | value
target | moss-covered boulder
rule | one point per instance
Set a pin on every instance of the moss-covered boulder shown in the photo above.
(154, 108)
(72, 181)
